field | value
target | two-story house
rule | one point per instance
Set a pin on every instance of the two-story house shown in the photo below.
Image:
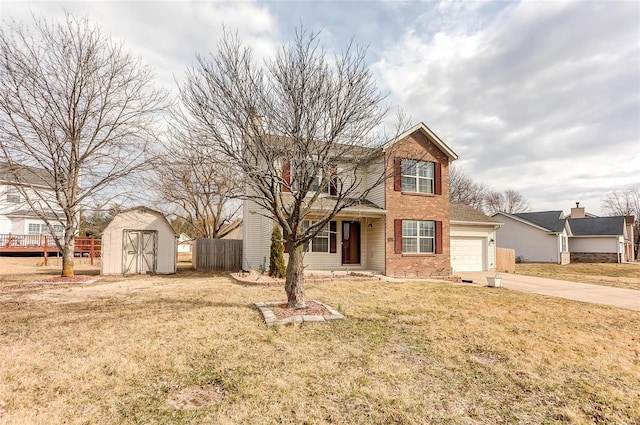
(16, 215)
(401, 228)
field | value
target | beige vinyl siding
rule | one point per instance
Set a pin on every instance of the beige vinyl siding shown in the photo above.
(256, 237)
(377, 193)
(376, 245)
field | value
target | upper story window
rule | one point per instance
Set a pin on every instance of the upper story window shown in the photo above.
(417, 176)
(13, 197)
(292, 172)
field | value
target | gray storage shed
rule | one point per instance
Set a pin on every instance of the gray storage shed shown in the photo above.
(139, 240)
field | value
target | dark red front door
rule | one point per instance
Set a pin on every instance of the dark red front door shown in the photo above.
(350, 242)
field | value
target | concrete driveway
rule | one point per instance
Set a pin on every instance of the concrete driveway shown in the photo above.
(596, 294)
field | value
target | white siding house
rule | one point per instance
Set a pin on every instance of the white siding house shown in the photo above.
(535, 237)
(16, 215)
(139, 240)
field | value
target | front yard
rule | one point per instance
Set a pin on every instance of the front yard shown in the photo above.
(191, 349)
(626, 275)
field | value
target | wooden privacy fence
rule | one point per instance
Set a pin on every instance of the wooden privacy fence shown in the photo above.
(217, 255)
(505, 260)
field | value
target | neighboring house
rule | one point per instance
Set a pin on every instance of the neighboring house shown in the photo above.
(535, 236)
(473, 239)
(551, 237)
(233, 230)
(401, 229)
(185, 244)
(600, 239)
(16, 216)
(139, 240)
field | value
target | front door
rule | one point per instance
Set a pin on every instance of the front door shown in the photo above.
(350, 242)
(139, 251)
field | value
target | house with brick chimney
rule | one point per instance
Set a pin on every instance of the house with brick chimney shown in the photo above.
(579, 237)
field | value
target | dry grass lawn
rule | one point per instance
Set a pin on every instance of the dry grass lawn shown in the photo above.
(626, 275)
(190, 349)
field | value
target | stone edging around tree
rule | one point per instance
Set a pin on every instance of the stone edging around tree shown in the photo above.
(270, 318)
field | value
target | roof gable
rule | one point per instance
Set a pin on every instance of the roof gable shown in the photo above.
(464, 213)
(597, 226)
(426, 131)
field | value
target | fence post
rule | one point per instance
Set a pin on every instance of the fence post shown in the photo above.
(91, 251)
(46, 249)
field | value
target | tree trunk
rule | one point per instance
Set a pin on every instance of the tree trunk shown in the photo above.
(67, 255)
(294, 285)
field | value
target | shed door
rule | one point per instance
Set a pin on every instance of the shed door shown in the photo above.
(467, 254)
(139, 251)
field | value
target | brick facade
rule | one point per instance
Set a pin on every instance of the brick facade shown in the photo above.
(408, 206)
(594, 257)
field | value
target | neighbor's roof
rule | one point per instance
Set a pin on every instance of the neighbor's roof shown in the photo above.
(31, 214)
(26, 175)
(551, 221)
(421, 127)
(597, 226)
(465, 214)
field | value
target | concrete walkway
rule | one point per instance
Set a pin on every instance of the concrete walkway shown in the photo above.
(596, 294)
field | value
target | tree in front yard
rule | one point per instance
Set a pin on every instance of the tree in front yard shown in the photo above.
(77, 114)
(277, 268)
(284, 125)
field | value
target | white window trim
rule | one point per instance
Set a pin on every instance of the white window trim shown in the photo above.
(418, 237)
(430, 180)
(309, 245)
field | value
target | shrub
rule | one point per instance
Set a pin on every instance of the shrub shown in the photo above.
(277, 267)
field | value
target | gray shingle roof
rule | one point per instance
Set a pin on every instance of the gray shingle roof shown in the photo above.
(597, 226)
(462, 212)
(27, 175)
(550, 220)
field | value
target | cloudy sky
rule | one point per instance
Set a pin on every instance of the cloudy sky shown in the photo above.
(541, 97)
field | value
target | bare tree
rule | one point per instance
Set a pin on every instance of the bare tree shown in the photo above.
(510, 201)
(626, 203)
(196, 188)
(294, 127)
(78, 108)
(464, 190)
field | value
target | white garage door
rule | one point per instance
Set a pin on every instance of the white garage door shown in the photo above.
(467, 254)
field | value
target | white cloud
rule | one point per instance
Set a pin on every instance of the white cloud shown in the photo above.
(536, 97)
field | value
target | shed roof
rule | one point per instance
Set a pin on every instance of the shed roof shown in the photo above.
(597, 226)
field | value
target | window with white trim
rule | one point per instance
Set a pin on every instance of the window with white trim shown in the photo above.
(417, 176)
(418, 237)
(319, 243)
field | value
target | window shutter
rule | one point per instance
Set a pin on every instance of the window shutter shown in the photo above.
(438, 178)
(397, 236)
(333, 237)
(333, 183)
(438, 237)
(397, 174)
(286, 175)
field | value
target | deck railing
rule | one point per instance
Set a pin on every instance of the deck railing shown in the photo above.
(46, 244)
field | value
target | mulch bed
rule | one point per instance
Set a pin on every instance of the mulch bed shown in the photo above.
(282, 311)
